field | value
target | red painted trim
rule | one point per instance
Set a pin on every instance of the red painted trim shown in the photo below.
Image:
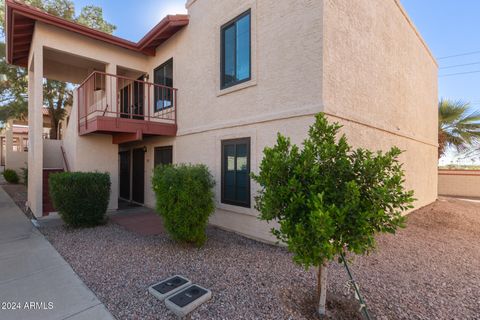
(112, 125)
(161, 32)
(127, 137)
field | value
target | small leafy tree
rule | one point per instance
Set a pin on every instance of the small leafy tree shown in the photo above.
(328, 198)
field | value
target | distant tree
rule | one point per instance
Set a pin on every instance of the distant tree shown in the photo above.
(92, 16)
(458, 127)
(13, 96)
(328, 198)
(57, 95)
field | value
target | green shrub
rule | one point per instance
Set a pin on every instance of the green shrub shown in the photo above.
(10, 176)
(185, 200)
(81, 198)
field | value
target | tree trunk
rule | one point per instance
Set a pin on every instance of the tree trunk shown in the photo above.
(322, 289)
(54, 130)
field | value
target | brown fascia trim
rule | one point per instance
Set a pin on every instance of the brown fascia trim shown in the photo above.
(15, 7)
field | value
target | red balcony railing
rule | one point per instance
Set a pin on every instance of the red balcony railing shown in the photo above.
(103, 96)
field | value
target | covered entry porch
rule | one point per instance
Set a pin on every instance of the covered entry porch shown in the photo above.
(112, 101)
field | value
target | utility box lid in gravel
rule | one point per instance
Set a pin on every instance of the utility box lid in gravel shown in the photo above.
(167, 287)
(185, 301)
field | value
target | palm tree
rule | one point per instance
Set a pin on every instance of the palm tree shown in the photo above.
(458, 126)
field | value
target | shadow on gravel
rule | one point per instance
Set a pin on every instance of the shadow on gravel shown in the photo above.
(338, 306)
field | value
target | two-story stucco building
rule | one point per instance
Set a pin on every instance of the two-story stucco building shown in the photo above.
(215, 86)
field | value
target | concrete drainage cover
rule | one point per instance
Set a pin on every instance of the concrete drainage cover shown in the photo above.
(169, 286)
(185, 301)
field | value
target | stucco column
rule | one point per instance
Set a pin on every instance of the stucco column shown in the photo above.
(8, 143)
(111, 87)
(35, 132)
(111, 97)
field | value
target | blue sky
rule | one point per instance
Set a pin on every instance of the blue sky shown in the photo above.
(450, 27)
(134, 18)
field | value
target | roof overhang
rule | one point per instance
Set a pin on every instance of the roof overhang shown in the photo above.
(20, 23)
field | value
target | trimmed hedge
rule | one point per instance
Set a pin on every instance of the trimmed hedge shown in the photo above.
(81, 198)
(10, 176)
(184, 196)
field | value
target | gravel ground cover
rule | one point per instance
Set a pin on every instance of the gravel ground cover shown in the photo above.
(430, 270)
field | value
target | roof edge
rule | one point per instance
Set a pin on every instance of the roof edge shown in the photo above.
(15, 7)
(415, 30)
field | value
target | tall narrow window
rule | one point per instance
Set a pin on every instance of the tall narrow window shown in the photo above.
(236, 172)
(235, 51)
(163, 76)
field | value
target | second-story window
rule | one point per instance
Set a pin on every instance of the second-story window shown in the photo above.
(235, 51)
(163, 76)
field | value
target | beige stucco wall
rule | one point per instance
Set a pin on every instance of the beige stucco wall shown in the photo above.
(52, 154)
(94, 152)
(459, 183)
(283, 94)
(205, 148)
(286, 39)
(14, 159)
(361, 62)
(379, 74)
(35, 123)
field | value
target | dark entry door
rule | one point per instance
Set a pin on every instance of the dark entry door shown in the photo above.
(138, 175)
(125, 175)
(163, 155)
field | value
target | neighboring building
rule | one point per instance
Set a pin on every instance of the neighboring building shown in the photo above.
(215, 86)
(13, 146)
(14, 141)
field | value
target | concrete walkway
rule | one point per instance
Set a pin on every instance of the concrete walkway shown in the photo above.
(34, 278)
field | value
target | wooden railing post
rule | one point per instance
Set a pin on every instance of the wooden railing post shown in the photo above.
(175, 104)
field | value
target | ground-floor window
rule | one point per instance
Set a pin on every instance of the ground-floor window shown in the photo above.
(163, 155)
(236, 172)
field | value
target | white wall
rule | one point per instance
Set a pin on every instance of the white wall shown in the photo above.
(459, 183)
(52, 154)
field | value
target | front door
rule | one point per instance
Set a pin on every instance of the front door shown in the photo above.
(125, 174)
(138, 175)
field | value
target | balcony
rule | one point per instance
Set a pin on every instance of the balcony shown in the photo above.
(128, 109)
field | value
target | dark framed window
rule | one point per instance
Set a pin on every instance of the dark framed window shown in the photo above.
(163, 155)
(163, 75)
(236, 51)
(236, 172)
